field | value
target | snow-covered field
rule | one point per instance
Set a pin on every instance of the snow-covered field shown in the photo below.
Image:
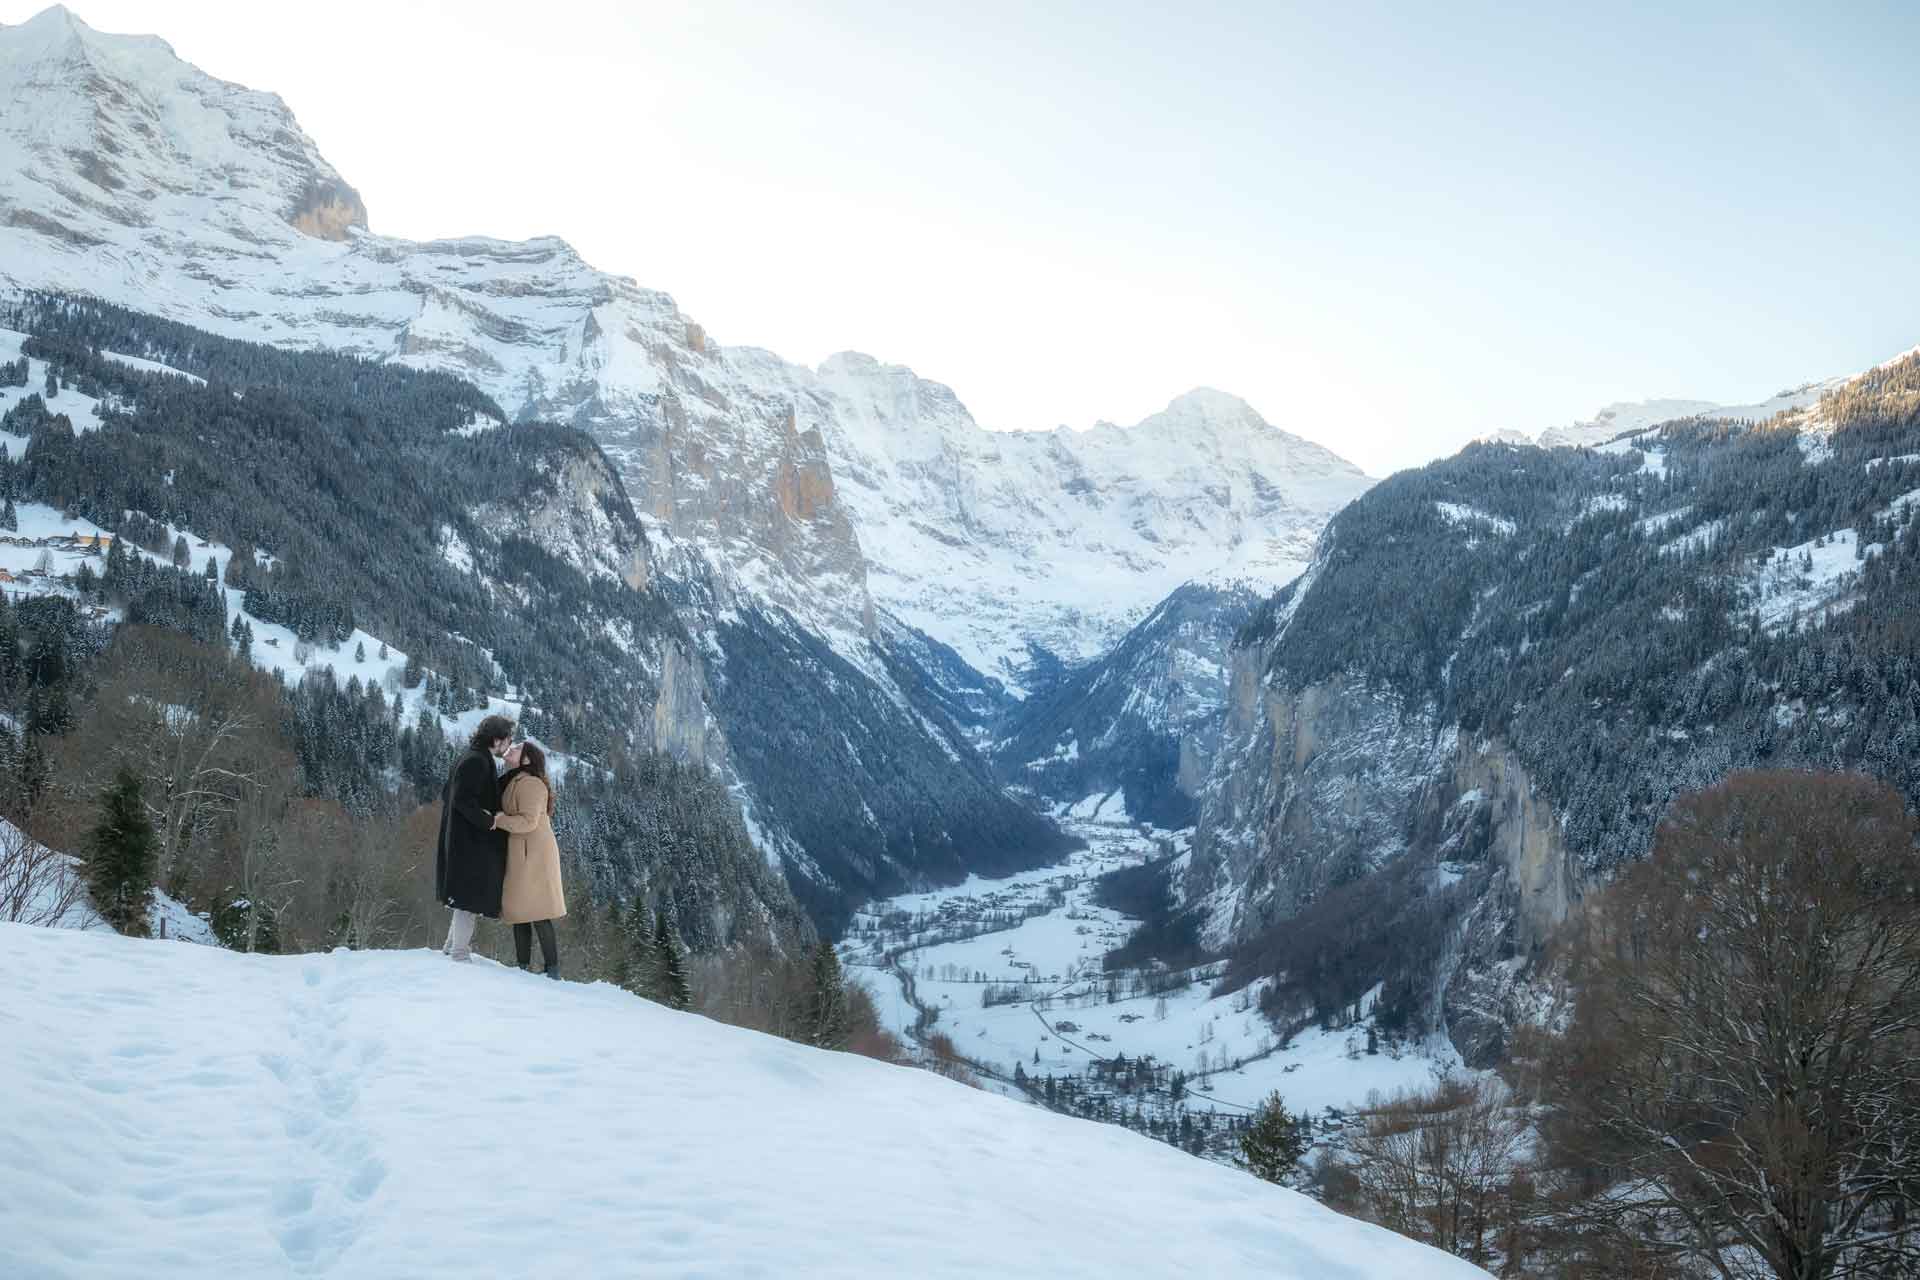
(1804, 584)
(1066, 1018)
(186, 1111)
(82, 411)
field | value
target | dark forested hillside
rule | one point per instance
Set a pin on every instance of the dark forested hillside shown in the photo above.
(350, 477)
(502, 561)
(1505, 664)
(1623, 615)
(882, 796)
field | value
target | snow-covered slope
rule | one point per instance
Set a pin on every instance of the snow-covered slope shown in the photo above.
(992, 541)
(111, 140)
(185, 1111)
(127, 174)
(1629, 418)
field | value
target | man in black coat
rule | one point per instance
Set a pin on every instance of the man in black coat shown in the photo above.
(470, 868)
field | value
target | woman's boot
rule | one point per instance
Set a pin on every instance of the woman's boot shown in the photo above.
(549, 948)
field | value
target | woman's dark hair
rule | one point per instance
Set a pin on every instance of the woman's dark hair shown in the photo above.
(534, 761)
(491, 730)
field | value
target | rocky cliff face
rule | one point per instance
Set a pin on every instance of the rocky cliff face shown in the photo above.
(1336, 783)
(1315, 787)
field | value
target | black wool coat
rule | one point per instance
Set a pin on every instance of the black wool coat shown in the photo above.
(470, 868)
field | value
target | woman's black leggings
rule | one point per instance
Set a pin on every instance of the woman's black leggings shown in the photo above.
(549, 946)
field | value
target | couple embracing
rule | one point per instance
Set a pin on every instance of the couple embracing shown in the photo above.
(497, 855)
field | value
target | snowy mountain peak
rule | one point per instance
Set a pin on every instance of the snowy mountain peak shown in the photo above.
(854, 364)
(106, 134)
(57, 29)
(1205, 404)
(892, 393)
(1209, 427)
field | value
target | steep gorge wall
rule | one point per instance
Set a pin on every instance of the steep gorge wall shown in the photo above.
(1331, 784)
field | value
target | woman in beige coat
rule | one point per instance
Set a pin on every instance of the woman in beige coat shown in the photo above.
(531, 899)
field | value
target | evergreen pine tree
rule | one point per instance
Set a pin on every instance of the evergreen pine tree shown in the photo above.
(619, 957)
(182, 556)
(52, 388)
(9, 518)
(123, 855)
(636, 953)
(213, 569)
(826, 1013)
(360, 652)
(383, 651)
(669, 969)
(1272, 1143)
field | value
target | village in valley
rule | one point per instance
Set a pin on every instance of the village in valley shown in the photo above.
(1010, 984)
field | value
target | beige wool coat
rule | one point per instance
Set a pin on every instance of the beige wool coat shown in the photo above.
(532, 890)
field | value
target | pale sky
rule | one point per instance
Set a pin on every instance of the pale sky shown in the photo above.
(1390, 228)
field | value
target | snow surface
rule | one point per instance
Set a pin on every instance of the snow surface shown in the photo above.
(1807, 583)
(151, 366)
(187, 1111)
(82, 411)
(1637, 417)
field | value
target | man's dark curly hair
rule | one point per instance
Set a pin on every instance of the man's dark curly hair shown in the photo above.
(491, 730)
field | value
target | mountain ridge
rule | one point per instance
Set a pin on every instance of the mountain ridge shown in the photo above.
(702, 432)
(1502, 667)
